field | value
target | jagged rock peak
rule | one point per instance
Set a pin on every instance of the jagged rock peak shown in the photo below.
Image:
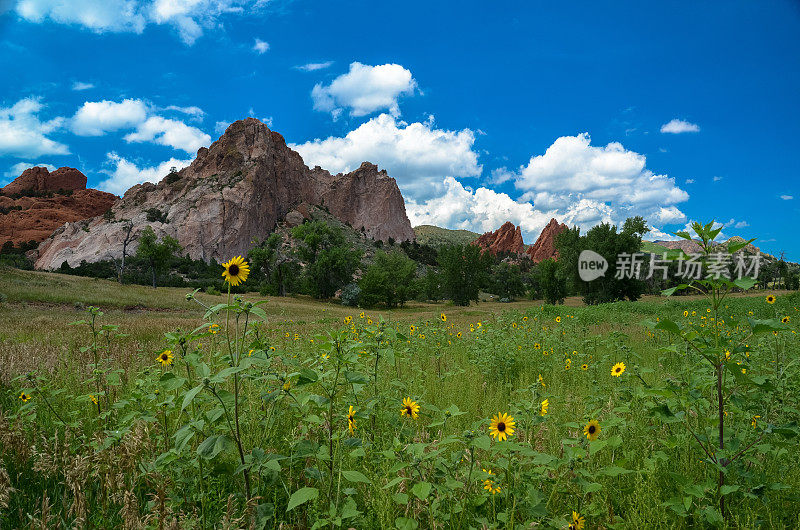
(232, 195)
(545, 246)
(506, 239)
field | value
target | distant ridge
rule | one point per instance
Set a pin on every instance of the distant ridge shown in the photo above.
(437, 237)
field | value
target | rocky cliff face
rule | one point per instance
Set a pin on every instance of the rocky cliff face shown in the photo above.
(506, 239)
(545, 246)
(37, 202)
(231, 197)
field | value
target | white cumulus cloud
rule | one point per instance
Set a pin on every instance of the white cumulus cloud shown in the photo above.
(365, 89)
(126, 173)
(676, 126)
(260, 46)
(418, 155)
(479, 210)
(787, 197)
(172, 133)
(576, 177)
(188, 17)
(95, 118)
(23, 134)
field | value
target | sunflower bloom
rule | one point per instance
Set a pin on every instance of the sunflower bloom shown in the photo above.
(443, 317)
(771, 299)
(578, 521)
(165, 358)
(558, 319)
(502, 426)
(785, 320)
(25, 397)
(592, 430)
(213, 329)
(410, 408)
(236, 271)
(584, 367)
(618, 369)
(545, 405)
(351, 420)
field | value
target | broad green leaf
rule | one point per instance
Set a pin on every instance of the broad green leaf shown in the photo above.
(302, 496)
(421, 490)
(190, 395)
(356, 476)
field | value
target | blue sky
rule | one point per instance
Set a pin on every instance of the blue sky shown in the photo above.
(583, 111)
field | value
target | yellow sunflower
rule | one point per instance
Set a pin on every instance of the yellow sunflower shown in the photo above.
(545, 405)
(686, 313)
(213, 329)
(410, 408)
(25, 397)
(165, 358)
(236, 271)
(584, 367)
(771, 299)
(618, 369)
(785, 320)
(458, 334)
(592, 430)
(443, 317)
(502, 426)
(537, 346)
(558, 319)
(361, 315)
(412, 329)
(578, 521)
(351, 420)
(489, 484)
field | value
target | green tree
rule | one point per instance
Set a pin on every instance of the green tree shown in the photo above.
(157, 254)
(552, 284)
(388, 280)
(464, 272)
(609, 243)
(277, 270)
(506, 281)
(330, 261)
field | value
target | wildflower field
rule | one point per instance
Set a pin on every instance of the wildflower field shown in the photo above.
(132, 408)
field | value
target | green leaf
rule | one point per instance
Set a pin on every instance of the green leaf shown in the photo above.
(614, 471)
(671, 290)
(421, 490)
(734, 246)
(355, 476)
(482, 442)
(302, 496)
(668, 325)
(190, 395)
(727, 489)
(212, 446)
(596, 446)
(744, 283)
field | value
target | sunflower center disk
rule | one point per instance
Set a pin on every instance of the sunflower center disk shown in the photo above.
(233, 270)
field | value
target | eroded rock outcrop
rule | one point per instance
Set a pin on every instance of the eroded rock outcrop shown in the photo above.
(230, 197)
(506, 239)
(38, 201)
(545, 246)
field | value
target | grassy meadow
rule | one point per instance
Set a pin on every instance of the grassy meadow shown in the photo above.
(158, 410)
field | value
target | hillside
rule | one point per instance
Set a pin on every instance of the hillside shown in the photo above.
(436, 236)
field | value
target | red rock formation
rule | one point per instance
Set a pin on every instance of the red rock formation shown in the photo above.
(545, 246)
(39, 179)
(232, 194)
(507, 238)
(35, 216)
